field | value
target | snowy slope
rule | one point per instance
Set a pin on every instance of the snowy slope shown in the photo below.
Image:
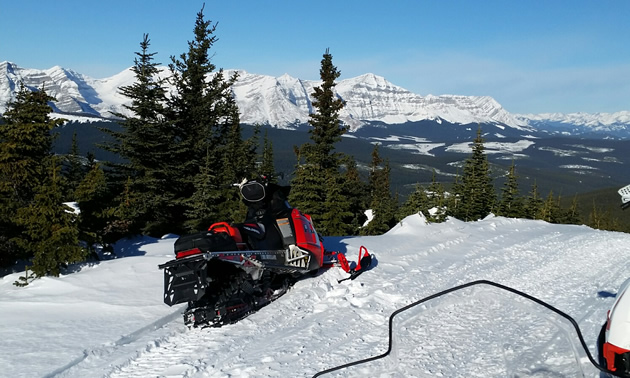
(108, 319)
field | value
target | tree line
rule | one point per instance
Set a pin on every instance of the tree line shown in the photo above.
(180, 152)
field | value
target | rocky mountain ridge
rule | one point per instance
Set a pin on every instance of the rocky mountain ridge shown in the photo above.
(285, 101)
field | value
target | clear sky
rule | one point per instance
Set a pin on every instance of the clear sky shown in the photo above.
(531, 56)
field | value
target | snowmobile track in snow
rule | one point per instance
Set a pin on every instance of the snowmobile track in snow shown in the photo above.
(107, 352)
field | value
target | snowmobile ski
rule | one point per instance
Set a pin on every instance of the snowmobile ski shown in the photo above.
(363, 264)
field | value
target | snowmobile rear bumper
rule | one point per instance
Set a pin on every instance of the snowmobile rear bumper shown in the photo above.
(187, 279)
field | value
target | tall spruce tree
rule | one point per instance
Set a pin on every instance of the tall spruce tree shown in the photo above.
(319, 165)
(203, 112)
(25, 151)
(475, 191)
(146, 144)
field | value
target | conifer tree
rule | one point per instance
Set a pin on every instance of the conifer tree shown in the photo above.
(26, 144)
(510, 205)
(308, 187)
(25, 151)
(436, 200)
(572, 214)
(356, 192)
(550, 210)
(326, 128)
(417, 202)
(318, 164)
(475, 192)
(146, 145)
(122, 218)
(381, 201)
(50, 233)
(203, 112)
(75, 170)
(203, 205)
(337, 223)
(601, 219)
(93, 199)
(534, 203)
(239, 161)
(267, 167)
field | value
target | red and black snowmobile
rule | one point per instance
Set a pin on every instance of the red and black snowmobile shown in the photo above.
(231, 270)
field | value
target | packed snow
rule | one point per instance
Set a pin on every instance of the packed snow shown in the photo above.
(107, 318)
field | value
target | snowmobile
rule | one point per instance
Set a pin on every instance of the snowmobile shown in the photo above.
(231, 270)
(614, 339)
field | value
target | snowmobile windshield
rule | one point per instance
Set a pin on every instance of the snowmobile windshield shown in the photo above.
(253, 191)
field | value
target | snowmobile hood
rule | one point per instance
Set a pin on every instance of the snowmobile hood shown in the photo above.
(619, 318)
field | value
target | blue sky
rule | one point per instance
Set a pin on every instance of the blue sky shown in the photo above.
(531, 56)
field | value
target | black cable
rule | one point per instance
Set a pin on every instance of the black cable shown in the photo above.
(460, 287)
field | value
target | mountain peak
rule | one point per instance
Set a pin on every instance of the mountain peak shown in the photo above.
(285, 101)
(282, 101)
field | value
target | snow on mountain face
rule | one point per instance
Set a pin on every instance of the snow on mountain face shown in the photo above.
(285, 101)
(596, 121)
(282, 101)
(372, 98)
(74, 93)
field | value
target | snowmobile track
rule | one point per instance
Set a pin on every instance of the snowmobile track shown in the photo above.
(108, 352)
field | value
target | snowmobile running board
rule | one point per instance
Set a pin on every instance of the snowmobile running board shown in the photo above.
(281, 259)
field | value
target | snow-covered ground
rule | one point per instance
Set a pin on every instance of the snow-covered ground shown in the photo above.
(108, 320)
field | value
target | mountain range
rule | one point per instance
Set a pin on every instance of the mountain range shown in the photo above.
(421, 136)
(285, 102)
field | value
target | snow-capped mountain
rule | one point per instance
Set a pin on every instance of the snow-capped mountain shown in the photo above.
(609, 124)
(285, 102)
(282, 101)
(75, 93)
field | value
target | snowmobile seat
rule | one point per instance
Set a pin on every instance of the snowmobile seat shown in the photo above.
(234, 232)
(206, 241)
